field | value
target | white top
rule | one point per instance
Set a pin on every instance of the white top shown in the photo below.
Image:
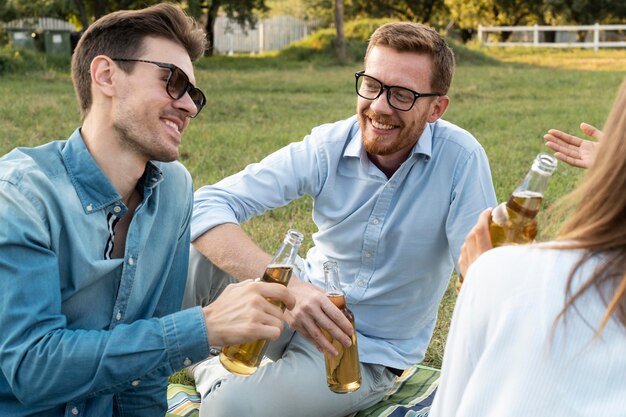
(505, 358)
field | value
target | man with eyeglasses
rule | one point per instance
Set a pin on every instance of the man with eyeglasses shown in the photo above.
(94, 240)
(395, 191)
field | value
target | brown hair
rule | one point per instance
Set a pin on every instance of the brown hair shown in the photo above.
(414, 37)
(598, 225)
(121, 34)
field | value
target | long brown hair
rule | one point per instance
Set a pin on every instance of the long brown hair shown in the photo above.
(121, 34)
(598, 225)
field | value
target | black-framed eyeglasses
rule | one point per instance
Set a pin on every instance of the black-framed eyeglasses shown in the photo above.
(177, 83)
(400, 98)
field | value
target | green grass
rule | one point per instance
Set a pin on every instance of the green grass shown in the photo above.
(257, 105)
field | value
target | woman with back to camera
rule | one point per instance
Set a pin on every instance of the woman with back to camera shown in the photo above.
(541, 329)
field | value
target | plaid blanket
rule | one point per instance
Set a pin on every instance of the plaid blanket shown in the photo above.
(411, 396)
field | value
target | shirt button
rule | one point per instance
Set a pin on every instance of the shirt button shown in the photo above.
(368, 254)
(118, 316)
(117, 209)
(135, 383)
(187, 362)
(75, 411)
(360, 283)
(375, 221)
(89, 207)
(131, 261)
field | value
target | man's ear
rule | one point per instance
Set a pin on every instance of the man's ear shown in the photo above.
(102, 70)
(438, 108)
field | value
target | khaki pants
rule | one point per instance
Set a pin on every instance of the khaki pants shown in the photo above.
(294, 385)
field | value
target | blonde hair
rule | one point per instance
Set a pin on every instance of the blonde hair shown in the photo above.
(415, 37)
(598, 225)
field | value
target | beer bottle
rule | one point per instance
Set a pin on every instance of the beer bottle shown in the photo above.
(245, 358)
(514, 222)
(343, 372)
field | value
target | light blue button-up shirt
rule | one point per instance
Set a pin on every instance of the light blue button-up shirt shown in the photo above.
(396, 240)
(82, 335)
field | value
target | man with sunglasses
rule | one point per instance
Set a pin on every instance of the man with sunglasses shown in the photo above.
(94, 240)
(395, 190)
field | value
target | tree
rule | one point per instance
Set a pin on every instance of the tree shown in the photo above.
(241, 11)
(84, 12)
(468, 14)
(341, 40)
(81, 11)
(415, 11)
(588, 12)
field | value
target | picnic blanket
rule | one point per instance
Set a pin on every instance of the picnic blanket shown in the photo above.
(411, 396)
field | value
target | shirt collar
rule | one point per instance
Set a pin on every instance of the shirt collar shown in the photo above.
(93, 188)
(423, 146)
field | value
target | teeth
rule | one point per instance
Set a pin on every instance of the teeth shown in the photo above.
(378, 125)
(174, 125)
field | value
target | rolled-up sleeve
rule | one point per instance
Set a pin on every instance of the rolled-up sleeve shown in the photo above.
(281, 177)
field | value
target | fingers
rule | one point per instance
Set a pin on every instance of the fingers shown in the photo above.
(591, 131)
(563, 141)
(483, 238)
(313, 312)
(573, 150)
(242, 313)
(566, 147)
(310, 325)
(477, 241)
(277, 292)
(336, 323)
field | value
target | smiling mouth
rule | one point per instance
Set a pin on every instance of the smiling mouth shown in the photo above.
(172, 124)
(382, 126)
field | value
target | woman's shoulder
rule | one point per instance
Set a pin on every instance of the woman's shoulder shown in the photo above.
(519, 266)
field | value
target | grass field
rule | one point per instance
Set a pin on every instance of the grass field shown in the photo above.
(507, 100)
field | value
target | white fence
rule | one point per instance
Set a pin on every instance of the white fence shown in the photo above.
(593, 36)
(45, 23)
(268, 35)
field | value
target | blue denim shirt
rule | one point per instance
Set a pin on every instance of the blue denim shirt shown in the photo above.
(81, 335)
(395, 239)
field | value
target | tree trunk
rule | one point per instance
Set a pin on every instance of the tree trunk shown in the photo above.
(210, 26)
(82, 14)
(124, 4)
(100, 8)
(341, 41)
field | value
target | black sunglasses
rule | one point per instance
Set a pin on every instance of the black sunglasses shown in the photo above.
(177, 83)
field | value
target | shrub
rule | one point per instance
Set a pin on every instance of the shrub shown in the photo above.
(322, 44)
(24, 61)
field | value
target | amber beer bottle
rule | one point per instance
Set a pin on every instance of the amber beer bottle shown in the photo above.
(514, 222)
(244, 359)
(343, 372)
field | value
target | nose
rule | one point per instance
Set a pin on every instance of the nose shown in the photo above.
(381, 104)
(186, 104)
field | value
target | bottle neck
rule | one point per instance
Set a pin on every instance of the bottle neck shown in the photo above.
(331, 275)
(536, 179)
(286, 255)
(288, 251)
(535, 182)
